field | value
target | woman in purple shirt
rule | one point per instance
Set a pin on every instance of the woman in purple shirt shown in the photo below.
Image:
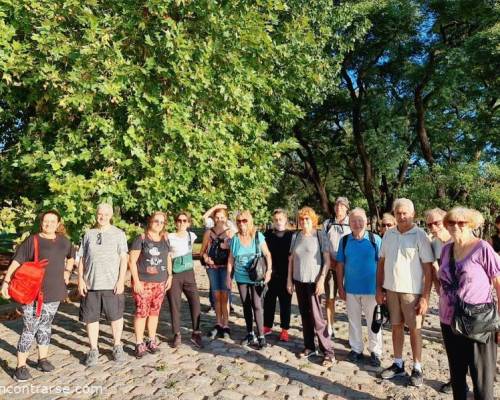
(477, 268)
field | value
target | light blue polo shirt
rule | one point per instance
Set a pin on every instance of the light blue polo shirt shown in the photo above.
(360, 266)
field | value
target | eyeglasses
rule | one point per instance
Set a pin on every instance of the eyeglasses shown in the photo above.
(158, 221)
(430, 224)
(386, 225)
(242, 221)
(99, 238)
(182, 221)
(461, 224)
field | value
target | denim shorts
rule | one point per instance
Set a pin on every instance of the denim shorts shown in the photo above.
(218, 277)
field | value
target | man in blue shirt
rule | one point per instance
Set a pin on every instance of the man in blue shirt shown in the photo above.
(357, 258)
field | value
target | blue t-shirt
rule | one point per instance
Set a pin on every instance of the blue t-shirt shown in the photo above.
(360, 266)
(243, 257)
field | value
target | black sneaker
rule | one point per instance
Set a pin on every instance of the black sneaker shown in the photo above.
(354, 357)
(416, 378)
(393, 371)
(375, 360)
(446, 388)
(226, 333)
(45, 365)
(249, 339)
(22, 374)
(261, 342)
(215, 332)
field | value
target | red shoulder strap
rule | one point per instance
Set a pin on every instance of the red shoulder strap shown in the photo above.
(35, 244)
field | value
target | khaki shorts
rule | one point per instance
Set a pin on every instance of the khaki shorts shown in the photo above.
(402, 309)
(331, 288)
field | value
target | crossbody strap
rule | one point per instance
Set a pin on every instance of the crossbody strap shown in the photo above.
(35, 244)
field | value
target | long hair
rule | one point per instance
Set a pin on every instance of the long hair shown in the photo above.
(152, 217)
(247, 215)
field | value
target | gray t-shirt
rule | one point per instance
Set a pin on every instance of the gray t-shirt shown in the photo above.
(335, 233)
(101, 252)
(306, 254)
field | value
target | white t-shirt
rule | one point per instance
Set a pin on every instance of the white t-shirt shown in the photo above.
(179, 246)
(404, 254)
(335, 233)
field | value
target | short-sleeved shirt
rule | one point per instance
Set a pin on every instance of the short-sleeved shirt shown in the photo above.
(101, 251)
(475, 271)
(152, 261)
(306, 254)
(360, 264)
(179, 246)
(244, 256)
(56, 251)
(278, 243)
(404, 254)
(335, 233)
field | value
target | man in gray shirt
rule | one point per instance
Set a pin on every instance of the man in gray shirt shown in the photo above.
(101, 281)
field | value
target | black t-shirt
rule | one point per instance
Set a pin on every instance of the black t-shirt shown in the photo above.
(56, 251)
(496, 243)
(152, 262)
(279, 243)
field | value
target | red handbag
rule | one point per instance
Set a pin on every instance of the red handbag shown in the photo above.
(26, 285)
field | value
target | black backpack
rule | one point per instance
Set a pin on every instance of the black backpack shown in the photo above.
(215, 252)
(371, 236)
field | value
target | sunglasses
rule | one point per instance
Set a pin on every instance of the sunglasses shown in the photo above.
(99, 238)
(437, 223)
(158, 221)
(242, 221)
(461, 224)
(386, 225)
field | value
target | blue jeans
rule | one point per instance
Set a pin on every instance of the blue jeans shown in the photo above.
(218, 277)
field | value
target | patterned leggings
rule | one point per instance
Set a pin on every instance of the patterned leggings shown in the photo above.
(36, 328)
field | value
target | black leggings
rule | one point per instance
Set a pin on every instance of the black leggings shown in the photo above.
(251, 298)
(480, 359)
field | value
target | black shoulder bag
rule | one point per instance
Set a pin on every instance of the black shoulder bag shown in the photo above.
(474, 321)
(258, 269)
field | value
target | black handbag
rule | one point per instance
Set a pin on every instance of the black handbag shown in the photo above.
(474, 321)
(258, 269)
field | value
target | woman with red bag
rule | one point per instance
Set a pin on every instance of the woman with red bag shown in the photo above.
(54, 247)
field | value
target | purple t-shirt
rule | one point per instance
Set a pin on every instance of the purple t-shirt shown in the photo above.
(475, 273)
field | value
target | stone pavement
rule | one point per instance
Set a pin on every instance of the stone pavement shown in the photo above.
(222, 370)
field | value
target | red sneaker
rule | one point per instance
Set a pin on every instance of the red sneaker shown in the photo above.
(267, 330)
(284, 335)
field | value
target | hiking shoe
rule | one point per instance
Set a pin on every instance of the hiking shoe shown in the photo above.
(196, 340)
(267, 331)
(393, 371)
(176, 341)
(284, 335)
(118, 354)
(45, 365)
(375, 360)
(92, 357)
(261, 342)
(226, 333)
(152, 346)
(306, 353)
(140, 350)
(354, 357)
(249, 339)
(446, 388)
(22, 374)
(215, 332)
(416, 378)
(328, 361)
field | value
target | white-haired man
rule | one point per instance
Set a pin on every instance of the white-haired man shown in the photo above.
(357, 258)
(101, 281)
(405, 272)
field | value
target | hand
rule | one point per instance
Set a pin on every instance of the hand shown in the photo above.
(119, 287)
(67, 275)
(82, 287)
(138, 287)
(342, 293)
(289, 287)
(380, 297)
(497, 338)
(208, 260)
(267, 278)
(5, 290)
(422, 305)
(168, 285)
(320, 286)
(229, 282)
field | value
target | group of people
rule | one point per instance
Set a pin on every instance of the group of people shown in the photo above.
(340, 258)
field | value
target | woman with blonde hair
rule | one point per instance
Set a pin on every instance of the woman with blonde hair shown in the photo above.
(308, 264)
(151, 271)
(469, 269)
(246, 245)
